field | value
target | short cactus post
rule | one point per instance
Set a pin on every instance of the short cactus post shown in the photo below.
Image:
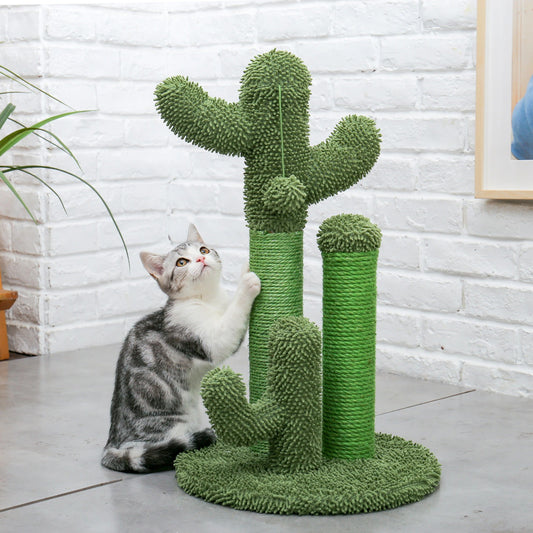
(349, 245)
(289, 415)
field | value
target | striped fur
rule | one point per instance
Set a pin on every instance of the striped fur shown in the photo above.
(156, 410)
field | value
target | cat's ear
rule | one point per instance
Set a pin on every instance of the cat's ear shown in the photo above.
(193, 235)
(153, 264)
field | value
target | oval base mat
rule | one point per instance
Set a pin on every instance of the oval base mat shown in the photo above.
(401, 472)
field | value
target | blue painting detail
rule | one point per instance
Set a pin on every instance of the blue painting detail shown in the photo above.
(522, 121)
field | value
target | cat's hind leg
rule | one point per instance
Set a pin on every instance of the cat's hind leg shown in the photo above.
(160, 457)
(157, 457)
(202, 439)
(125, 458)
(144, 457)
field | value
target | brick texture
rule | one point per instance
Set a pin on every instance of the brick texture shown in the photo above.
(454, 299)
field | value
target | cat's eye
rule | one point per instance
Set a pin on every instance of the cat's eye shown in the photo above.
(181, 262)
(204, 250)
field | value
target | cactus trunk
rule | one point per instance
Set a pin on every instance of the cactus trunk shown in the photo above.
(349, 354)
(294, 385)
(277, 258)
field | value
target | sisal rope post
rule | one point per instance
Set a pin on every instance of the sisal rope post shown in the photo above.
(349, 245)
(277, 258)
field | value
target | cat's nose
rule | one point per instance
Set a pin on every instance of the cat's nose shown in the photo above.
(201, 260)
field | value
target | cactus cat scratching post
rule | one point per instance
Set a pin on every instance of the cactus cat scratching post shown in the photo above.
(323, 455)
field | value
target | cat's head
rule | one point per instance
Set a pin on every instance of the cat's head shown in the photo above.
(192, 269)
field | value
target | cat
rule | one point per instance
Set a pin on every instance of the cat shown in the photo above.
(156, 410)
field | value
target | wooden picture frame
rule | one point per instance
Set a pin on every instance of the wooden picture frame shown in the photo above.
(504, 66)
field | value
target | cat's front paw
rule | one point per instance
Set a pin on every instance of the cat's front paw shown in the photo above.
(251, 284)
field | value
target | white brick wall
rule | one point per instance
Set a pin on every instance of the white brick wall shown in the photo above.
(455, 295)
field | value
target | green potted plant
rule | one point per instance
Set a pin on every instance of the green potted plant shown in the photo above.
(12, 139)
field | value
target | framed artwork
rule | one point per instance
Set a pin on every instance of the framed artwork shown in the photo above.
(504, 99)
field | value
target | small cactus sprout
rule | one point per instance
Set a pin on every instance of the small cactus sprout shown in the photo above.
(289, 415)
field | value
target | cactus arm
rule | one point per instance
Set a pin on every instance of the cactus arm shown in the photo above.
(234, 420)
(193, 115)
(343, 159)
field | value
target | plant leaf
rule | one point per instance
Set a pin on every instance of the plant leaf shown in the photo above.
(19, 79)
(38, 178)
(11, 169)
(13, 138)
(61, 145)
(14, 191)
(4, 115)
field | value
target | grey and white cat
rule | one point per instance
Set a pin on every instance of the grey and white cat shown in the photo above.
(156, 411)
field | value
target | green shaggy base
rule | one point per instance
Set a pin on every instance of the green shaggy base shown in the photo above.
(401, 472)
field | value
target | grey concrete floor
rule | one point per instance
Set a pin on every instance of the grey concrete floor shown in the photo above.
(54, 421)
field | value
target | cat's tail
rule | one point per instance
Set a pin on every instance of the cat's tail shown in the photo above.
(153, 457)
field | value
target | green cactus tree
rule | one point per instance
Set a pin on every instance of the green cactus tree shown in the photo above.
(289, 415)
(283, 175)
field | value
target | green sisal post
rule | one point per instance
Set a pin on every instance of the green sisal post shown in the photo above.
(283, 174)
(349, 245)
(277, 258)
